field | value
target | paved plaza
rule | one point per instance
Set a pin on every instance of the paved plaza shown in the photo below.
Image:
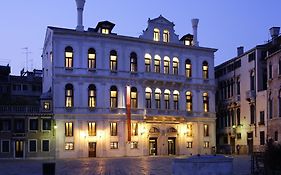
(108, 166)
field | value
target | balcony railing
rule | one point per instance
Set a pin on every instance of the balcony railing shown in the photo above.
(18, 109)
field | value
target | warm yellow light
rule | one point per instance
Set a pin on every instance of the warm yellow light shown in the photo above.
(82, 134)
(100, 134)
(55, 127)
(233, 126)
(142, 130)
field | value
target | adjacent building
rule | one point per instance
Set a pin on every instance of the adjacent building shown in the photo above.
(242, 98)
(114, 95)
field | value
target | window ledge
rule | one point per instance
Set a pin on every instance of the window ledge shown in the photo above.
(92, 69)
(69, 68)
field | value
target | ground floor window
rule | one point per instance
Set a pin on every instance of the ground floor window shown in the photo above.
(189, 145)
(32, 145)
(45, 145)
(134, 145)
(206, 144)
(5, 146)
(69, 146)
(113, 145)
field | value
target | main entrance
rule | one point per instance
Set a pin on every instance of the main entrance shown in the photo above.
(171, 146)
(92, 149)
(19, 149)
(250, 142)
(152, 146)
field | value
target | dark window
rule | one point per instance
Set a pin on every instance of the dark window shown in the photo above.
(113, 129)
(69, 129)
(252, 81)
(239, 136)
(5, 125)
(205, 70)
(134, 98)
(188, 68)
(276, 136)
(113, 97)
(91, 58)
(270, 71)
(33, 124)
(46, 124)
(32, 145)
(69, 96)
(262, 138)
(238, 87)
(270, 106)
(133, 62)
(232, 117)
(45, 145)
(238, 116)
(279, 67)
(113, 60)
(252, 113)
(5, 146)
(279, 103)
(261, 117)
(19, 125)
(92, 129)
(251, 56)
(68, 57)
(24, 87)
(92, 96)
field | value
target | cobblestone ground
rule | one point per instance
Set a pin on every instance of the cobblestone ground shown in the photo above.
(108, 166)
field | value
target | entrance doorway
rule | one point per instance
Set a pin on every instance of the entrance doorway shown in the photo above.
(171, 146)
(92, 149)
(232, 144)
(153, 146)
(19, 149)
(250, 142)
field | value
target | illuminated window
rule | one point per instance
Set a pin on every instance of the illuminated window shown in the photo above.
(189, 130)
(92, 129)
(45, 145)
(134, 129)
(91, 58)
(69, 129)
(157, 60)
(176, 99)
(134, 145)
(205, 102)
(33, 124)
(172, 130)
(92, 96)
(189, 145)
(147, 59)
(166, 36)
(104, 31)
(154, 130)
(134, 98)
(113, 60)
(113, 145)
(206, 130)
(158, 98)
(206, 144)
(188, 68)
(69, 146)
(113, 97)
(167, 98)
(134, 62)
(156, 34)
(32, 145)
(46, 124)
(46, 105)
(69, 95)
(188, 95)
(113, 129)
(166, 65)
(187, 42)
(175, 66)
(205, 70)
(68, 57)
(148, 94)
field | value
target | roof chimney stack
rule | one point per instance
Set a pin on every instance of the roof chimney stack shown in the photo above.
(274, 32)
(80, 7)
(240, 50)
(194, 27)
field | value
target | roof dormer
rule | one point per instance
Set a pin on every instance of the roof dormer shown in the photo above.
(104, 27)
(160, 30)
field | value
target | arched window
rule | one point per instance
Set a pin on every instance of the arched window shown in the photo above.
(156, 34)
(205, 102)
(171, 130)
(167, 98)
(188, 95)
(166, 65)
(134, 98)
(133, 62)
(113, 97)
(166, 36)
(148, 94)
(157, 60)
(69, 97)
(188, 68)
(92, 96)
(175, 66)
(113, 60)
(157, 98)
(154, 130)
(68, 57)
(205, 70)
(147, 60)
(176, 99)
(91, 58)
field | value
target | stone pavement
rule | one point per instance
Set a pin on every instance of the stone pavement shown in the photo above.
(159, 165)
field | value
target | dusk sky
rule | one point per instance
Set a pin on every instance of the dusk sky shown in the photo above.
(224, 24)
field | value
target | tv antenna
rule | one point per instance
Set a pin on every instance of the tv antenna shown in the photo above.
(26, 52)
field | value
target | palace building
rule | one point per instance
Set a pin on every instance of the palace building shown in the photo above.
(114, 95)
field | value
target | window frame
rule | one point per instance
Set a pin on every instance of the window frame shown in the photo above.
(48, 129)
(92, 96)
(156, 34)
(69, 129)
(92, 128)
(113, 129)
(113, 98)
(68, 147)
(188, 68)
(68, 58)
(42, 145)
(113, 61)
(205, 70)
(133, 62)
(69, 96)
(91, 60)
(134, 98)
(9, 146)
(29, 125)
(188, 97)
(157, 98)
(206, 102)
(29, 148)
(148, 92)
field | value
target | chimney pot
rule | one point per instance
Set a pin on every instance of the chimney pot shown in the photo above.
(195, 22)
(80, 7)
(240, 50)
(274, 32)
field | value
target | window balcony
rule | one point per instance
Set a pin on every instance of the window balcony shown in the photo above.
(19, 109)
(250, 95)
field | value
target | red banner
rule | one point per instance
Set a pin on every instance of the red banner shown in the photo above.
(128, 111)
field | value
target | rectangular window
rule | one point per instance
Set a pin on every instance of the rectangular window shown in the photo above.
(33, 124)
(175, 68)
(157, 66)
(238, 87)
(262, 138)
(189, 130)
(46, 105)
(206, 130)
(166, 67)
(206, 144)
(69, 146)
(251, 56)
(104, 31)
(46, 124)
(5, 125)
(113, 145)
(148, 99)
(134, 129)
(252, 82)
(92, 129)
(45, 145)
(134, 145)
(239, 136)
(113, 62)
(252, 113)
(147, 64)
(32, 145)
(19, 125)
(5, 146)
(261, 118)
(69, 129)
(189, 145)
(113, 129)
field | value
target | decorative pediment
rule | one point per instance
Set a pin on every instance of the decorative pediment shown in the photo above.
(161, 20)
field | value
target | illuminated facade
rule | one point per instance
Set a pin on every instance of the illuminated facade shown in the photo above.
(116, 95)
(241, 100)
